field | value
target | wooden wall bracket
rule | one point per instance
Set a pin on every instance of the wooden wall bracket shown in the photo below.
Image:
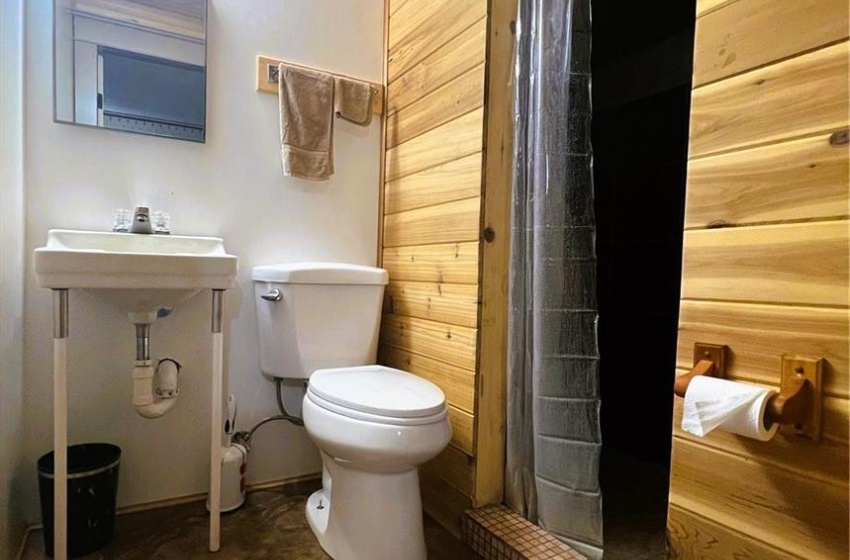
(799, 402)
(709, 359)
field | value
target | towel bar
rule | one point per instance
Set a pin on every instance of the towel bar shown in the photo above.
(267, 70)
(274, 75)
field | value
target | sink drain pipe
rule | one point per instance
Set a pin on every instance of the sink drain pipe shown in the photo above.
(150, 402)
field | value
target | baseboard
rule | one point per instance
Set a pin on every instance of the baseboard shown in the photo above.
(283, 482)
(124, 510)
(203, 496)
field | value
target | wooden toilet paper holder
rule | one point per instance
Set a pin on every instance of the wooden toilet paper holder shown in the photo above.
(799, 401)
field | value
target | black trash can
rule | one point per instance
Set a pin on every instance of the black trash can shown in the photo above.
(92, 490)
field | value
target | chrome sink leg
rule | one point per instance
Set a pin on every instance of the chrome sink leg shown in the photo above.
(60, 424)
(216, 421)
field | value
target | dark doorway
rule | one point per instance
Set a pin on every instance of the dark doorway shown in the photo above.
(642, 63)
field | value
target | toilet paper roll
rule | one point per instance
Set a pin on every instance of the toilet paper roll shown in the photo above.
(738, 408)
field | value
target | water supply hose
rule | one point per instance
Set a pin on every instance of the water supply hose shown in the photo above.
(245, 437)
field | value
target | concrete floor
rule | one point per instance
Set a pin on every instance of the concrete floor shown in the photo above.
(271, 526)
(634, 494)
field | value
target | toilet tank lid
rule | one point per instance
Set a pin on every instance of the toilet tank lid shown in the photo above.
(320, 273)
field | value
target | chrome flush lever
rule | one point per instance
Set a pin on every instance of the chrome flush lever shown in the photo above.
(274, 295)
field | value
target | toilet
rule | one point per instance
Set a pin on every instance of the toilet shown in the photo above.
(373, 425)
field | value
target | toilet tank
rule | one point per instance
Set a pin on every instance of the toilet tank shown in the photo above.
(317, 315)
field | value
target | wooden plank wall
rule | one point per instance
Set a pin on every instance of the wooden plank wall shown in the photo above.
(768, 163)
(446, 229)
(436, 201)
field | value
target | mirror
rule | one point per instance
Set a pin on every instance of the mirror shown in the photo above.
(132, 65)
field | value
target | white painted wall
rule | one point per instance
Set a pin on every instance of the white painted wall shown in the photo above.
(232, 186)
(11, 275)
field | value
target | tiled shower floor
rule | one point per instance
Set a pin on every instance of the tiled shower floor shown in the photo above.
(271, 526)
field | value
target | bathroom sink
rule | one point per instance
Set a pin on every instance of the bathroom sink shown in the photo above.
(135, 272)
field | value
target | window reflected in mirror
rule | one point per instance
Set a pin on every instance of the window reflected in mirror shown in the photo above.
(132, 65)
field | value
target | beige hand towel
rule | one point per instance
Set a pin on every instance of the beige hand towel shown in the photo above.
(306, 123)
(353, 100)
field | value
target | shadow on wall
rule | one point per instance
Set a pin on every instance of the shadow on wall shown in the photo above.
(12, 265)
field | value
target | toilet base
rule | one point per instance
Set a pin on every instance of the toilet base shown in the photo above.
(372, 516)
(317, 518)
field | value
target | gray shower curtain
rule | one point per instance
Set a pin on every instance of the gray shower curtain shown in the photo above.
(553, 437)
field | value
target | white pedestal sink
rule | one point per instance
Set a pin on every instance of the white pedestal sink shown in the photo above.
(139, 274)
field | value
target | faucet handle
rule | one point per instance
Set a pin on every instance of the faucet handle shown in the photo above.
(121, 220)
(161, 222)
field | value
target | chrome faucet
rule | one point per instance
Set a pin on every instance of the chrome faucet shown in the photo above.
(141, 220)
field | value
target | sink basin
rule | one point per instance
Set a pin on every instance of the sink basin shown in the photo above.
(137, 273)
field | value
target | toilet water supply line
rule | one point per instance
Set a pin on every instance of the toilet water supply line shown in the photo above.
(244, 438)
(150, 402)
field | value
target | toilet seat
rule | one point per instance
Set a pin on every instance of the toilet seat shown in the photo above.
(374, 418)
(378, 394)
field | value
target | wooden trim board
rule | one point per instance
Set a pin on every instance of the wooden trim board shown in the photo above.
(382, 158)
(491, 388)
(265, 85)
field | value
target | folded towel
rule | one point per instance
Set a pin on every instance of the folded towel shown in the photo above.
(306, 123)
(353, 100)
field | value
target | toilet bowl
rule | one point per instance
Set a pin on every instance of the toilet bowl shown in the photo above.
(373, 425)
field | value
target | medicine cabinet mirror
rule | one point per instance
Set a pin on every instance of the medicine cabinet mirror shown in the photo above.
(132, 65)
